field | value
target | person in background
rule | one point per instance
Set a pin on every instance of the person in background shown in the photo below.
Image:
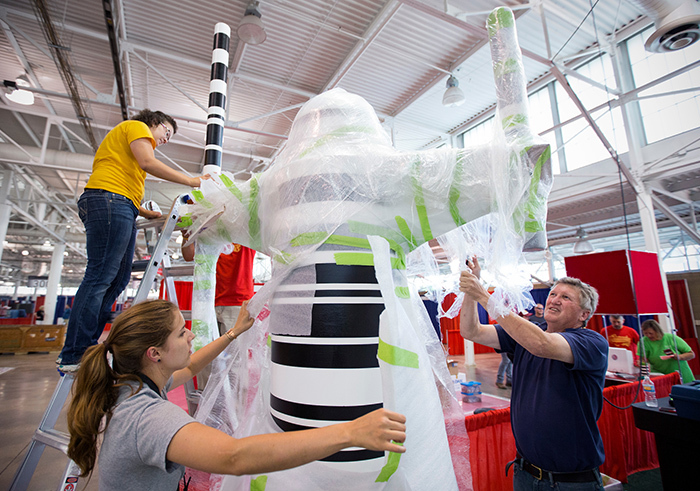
(108, 208)
(621, 336)
(537, 317)
(40, 314)
(234, 281)
(666, 352)
(153, 440)
(505, 372)
(558, 379)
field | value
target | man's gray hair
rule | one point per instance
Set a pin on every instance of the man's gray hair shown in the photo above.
(588, 296)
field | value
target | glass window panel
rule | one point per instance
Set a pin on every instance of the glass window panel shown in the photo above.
(581, 144)
(541, 120)
(670, 115)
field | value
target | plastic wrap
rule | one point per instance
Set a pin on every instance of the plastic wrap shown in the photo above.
(340, 194)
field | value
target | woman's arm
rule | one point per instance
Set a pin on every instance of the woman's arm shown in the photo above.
(209, 450)
(202, 357)
(143, 152)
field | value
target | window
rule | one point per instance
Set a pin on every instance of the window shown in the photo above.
(666, 115)
(581, 144)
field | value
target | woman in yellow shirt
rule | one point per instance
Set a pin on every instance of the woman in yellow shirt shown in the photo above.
(108, 208)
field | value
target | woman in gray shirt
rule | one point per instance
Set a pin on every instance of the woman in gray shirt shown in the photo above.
(148, 441)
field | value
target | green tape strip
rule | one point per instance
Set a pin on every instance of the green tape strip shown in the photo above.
(536, 204)
(514, 120)
(398, 263)
(354, 259)
(392, 464)
(394, 355)
(505, 67)
(402, 292)
(498, 19)
(455, 192)
(406, 232)
(420, 206)
(198, 196)
(202, 285)
(185, 221)
(254, 221)
(205, 263)
(258, 484)
(231, 186)
(284, 258)
(269, 340)
(308, 238)
(335, 134)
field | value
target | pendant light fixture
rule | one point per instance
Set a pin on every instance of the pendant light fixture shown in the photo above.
(453, 95)
(582, 245)
(251, 29)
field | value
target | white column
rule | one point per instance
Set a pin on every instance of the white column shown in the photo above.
(54, 280)
(635, 139)
(4, 207)
(469, 359)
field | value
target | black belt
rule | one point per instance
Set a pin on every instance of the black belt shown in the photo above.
(541, 474)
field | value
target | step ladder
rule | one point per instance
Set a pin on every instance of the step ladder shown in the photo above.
(46, 434)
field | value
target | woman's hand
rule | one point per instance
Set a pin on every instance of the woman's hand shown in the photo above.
(195, 182)
(378, 430)
(244, 321)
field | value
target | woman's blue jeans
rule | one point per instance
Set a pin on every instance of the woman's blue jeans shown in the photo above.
(110, 228)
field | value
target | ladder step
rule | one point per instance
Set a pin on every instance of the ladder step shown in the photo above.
(180, 270)
(53, 438)
(186, 314)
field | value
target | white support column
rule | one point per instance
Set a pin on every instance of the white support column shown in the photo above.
(54, 280)
(469, 359)
(631, 118)
(5, 208)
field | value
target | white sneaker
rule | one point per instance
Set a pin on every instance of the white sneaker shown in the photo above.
(69, 368)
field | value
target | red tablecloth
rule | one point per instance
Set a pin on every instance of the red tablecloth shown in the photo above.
(627, 448)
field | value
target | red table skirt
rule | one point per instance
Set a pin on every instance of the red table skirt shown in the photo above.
(627, 448)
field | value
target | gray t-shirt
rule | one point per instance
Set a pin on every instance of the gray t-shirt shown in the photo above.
(132, 456)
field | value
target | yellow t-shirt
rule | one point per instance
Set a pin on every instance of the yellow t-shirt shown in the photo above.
(115, 169)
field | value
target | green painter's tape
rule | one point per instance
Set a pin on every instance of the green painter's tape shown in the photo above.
(420, 207)
(254, 221)
(308, 238)
(498, 19)
(402, 292)
(185, 221)
(269, 340)
(258, 484)
(354, 259)
(393, 355)
(406, 232)
(284, 258)
(335, 134)
(202, 285)
(514, 120)
(455, 193)
(392, 463)
(231, 186)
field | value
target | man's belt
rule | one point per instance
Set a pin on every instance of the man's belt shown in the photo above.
(541, 474)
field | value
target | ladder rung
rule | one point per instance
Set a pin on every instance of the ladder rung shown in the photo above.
(180, 270)
(152, 223)
(53, 438)
(186, 314)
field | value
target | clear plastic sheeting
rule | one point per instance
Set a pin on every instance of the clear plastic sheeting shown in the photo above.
(339, 199)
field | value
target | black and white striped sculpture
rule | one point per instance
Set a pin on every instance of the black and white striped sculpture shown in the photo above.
(216, 118)
(338, 212)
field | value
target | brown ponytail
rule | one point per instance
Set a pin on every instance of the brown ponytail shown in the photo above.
(96, 385)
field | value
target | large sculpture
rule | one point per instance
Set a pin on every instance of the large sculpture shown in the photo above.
(340, 333)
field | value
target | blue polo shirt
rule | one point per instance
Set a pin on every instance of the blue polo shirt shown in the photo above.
(555, 406)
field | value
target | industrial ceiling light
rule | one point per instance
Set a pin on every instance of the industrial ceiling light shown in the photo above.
(17, 92)
(251, 29)
(453, 95)
(582, 245)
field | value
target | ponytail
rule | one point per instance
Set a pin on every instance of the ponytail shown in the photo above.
(96, 385)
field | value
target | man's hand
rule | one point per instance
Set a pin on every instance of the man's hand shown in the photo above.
(472, 288)
(473, 264)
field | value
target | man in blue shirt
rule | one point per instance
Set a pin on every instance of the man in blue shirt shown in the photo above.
(558, 379)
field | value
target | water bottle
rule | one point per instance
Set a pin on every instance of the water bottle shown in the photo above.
(649, 392)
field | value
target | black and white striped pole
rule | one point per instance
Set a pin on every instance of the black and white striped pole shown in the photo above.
(216, 118)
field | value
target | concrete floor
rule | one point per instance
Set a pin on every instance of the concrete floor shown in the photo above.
(26, 389)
